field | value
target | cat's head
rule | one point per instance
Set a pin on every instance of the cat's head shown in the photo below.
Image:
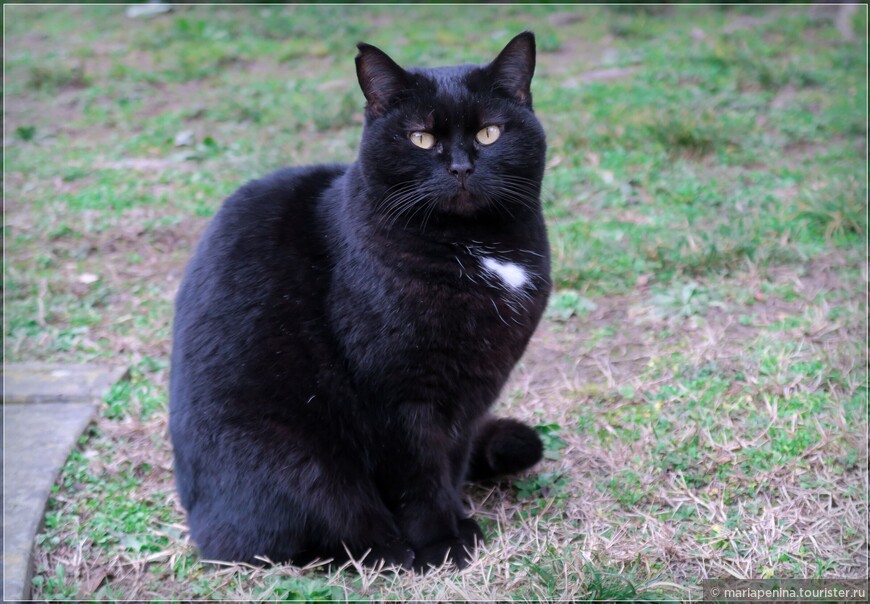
(457, 140)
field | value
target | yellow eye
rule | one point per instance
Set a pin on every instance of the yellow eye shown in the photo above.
(488, 135)
(424, 140)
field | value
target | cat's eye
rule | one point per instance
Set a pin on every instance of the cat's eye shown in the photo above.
(488, 135)
(424, 140)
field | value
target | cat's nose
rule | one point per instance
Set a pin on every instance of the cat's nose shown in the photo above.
(461, 170)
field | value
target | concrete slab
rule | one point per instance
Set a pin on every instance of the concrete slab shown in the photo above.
(37, 439)
(35, 382)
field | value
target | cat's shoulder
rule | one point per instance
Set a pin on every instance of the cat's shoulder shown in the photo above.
(286, 200)
(281, 207)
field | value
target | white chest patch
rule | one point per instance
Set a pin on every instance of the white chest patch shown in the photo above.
(512, 275)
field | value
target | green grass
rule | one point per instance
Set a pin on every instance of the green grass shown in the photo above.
(700, 376)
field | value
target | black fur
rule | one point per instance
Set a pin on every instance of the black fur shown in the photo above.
(339, 337)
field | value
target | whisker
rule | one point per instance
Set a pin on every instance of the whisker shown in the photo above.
(405, 200)
(432, 204)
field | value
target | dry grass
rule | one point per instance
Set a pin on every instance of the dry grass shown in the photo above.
(803, 511)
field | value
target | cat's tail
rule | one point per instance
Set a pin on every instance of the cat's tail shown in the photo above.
(503, 446)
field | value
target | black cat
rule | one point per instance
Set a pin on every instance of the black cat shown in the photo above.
(341, 331)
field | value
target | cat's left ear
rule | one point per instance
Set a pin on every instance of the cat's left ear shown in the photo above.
(380, 78)
(512, 69)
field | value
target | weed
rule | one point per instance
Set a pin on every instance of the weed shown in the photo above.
(300, 589)
(682, 300)
(565, 304)
(25, 133)
(55, 77)
(627, 487)
(691, 132)
(836, 211)
(553, 443)
(541, 485)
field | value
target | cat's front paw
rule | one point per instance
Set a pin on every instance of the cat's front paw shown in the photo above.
(396, 554)
(457, 551)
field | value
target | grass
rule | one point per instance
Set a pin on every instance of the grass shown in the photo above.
(700, 378)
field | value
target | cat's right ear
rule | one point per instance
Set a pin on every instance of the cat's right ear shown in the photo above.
(380, 78)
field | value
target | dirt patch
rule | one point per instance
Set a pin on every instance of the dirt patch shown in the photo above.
(574, 50)
(609, 74)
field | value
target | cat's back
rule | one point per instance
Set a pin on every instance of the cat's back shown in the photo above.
(268, 228)
(255, 282)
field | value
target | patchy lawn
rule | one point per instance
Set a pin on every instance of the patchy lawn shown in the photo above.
(700, 379)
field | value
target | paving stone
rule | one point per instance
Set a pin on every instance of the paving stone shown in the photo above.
(35, 382)
(37, 439)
